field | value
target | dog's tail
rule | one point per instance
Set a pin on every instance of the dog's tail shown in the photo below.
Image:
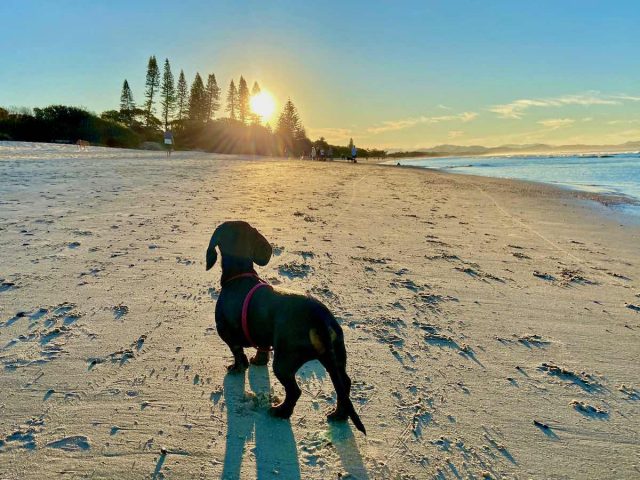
(353, 415)
(343, 395)
(332, 340)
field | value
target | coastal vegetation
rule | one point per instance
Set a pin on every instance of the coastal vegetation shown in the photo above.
(193, 114)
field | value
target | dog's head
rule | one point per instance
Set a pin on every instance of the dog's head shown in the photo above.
(239, 239)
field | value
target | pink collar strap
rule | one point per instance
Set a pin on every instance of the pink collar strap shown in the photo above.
(245, 310)
(241, 275)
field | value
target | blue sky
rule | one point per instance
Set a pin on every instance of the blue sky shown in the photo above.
(392, 74)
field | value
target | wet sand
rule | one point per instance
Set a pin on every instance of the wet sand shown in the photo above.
(492, 326)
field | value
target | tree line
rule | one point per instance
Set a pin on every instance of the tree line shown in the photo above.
(193, 113)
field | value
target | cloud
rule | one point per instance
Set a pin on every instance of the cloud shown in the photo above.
(630, 98)
(622, 122)
(517, 108)
(393, 125)
(455, 133)
(555, 123)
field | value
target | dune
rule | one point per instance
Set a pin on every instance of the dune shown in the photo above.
(492, 326)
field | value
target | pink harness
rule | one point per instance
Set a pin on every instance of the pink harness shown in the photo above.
(245, 308)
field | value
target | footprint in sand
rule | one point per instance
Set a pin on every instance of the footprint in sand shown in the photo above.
(583, 380)
(474, 272)
(57, 323)
(631, 306)
(121, 356)
(119, 311)
(24, 436)
(184, 261)
(529, 340)
(5, 285)
(432, 301)
(544, 276)
(77, 443)
(588, 410)
(305, 255)
(293, 270)
(574, 277)
(406, 283)
(630, 392)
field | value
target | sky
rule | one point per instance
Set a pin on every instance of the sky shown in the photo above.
(390, 74)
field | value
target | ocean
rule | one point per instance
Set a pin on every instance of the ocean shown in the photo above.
(603, 173)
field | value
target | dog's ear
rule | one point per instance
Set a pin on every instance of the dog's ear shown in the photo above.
(261, 249)
(212, 255)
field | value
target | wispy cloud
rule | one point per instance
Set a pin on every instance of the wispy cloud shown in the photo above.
(393, 125)
(517, 108)
(555, 123)
(622, 122)
(630, 98)
(455, 134)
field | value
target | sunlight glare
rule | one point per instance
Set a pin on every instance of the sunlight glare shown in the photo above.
(263, 105)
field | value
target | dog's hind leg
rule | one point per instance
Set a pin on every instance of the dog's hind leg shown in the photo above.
(336, 365)
(285, 367)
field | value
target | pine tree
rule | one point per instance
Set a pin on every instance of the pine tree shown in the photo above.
(232, 101)
(127, 106)
(289, 124)
(255, 90)
(243, 100)
(213, 96)
(197, 100)
(350, 145)
(290, 130)
(167, 94)
(152, 83)
(182, 96)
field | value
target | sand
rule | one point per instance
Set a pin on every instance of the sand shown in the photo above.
(492, 327)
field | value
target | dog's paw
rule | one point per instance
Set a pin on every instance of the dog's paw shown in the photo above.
(338, 415)
(280, 411)
(236, 368)
(260, 358)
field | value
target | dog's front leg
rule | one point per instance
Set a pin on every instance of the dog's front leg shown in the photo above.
(240, 361)
(260, 358)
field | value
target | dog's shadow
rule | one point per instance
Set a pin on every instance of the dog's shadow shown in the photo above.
(343, 440)
(275, 446)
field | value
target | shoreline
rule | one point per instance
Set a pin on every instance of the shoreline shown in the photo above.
(609, 199)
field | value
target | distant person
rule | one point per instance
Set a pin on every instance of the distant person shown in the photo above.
(168, 141)
(313, 153)
(322, 154)
(354, 154)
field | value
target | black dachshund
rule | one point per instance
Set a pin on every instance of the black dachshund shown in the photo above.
(250, 313)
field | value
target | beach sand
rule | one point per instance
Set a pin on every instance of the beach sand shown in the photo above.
(492, 327)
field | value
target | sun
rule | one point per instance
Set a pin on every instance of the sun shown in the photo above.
(263, 105)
